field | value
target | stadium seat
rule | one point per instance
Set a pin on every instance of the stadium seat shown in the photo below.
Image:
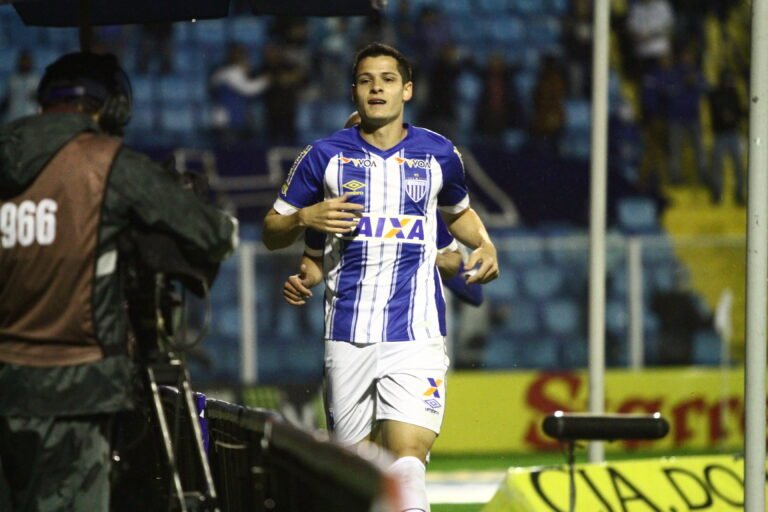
(557, 7)
(501, 352)
(528, 7)
(574, 352)
(562, 318)
(544, 32)
(249, 30)
(458, 7)
(542, 281)
(507, 30)
(211, 32)
(519, 318)
(706, 347)
(174, 90)
(142, 119)
(577, 114)
(144, 89)
(637, 215)
(503, 289)
(523, 248)
(616, 318)
(492, 7)
(178, 120)
(541, 353)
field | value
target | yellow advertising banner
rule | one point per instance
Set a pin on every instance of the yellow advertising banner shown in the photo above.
(488, 412)
(714, 483)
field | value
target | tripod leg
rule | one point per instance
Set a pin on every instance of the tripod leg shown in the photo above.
(167, 442)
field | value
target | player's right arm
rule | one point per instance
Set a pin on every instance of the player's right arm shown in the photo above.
(335, 215)
(300, 204)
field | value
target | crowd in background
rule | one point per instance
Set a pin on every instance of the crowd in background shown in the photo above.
(506, 90)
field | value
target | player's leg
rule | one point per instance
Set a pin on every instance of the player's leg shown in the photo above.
(409, 410)
(350, 390)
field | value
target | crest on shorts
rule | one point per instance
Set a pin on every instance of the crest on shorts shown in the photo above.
(415, 183)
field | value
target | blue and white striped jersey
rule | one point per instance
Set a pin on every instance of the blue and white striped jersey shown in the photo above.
(381, 280)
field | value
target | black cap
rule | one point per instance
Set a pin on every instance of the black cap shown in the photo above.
(77, 75)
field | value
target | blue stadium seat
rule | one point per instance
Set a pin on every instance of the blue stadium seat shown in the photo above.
(211, 32)
(521, 318)
(523, 248)
(544, 32)
(543, 352)
(528, 7)
(458, 7)
(506, 29)
(707, 347)
(616, 318)
(144, 89)
(469, 87)
(8, 60)
(177, 119)
(142, 120)
(562, 318)
(576, 143)
(574, 352)
(577, 114)
(174, 90)
(637, 215)
(557, 7)
(249, 30)
(500, 352)
(542, 281)
(492, 7)
(503, 289)
(42, 56)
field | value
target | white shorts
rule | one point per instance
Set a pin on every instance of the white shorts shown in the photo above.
(370, 382)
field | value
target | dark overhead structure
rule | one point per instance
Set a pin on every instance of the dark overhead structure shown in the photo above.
(77, 13)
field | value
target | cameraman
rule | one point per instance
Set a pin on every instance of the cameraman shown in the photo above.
(68, 191)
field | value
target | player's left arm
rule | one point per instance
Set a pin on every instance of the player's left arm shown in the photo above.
(469, 229)
(464, 223)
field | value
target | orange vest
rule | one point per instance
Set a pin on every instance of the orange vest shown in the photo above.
(48, 245)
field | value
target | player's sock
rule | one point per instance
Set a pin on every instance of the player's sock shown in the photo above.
(411, 474)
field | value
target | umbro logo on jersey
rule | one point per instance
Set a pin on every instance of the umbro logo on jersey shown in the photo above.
(400, 229)
(358, 162)
(413, 162)
(354, 187)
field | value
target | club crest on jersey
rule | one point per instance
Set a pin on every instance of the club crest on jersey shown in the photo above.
(415, 184)
(358, 162)
(404, 229)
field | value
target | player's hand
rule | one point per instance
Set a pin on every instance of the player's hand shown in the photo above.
(336, 215)
(296, 290)
(482, 265)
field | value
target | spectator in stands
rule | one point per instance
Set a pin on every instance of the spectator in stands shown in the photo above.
(577, 42)
(156, 44)
(680, 316)
(232, 89)
(549, 95)
(498, 107)
(728, 113)
(72, 191)
(653, 122)
(376, 389)
(281, 99)
(684, 89)
(439, 113)
(20, 100)
(650, 23)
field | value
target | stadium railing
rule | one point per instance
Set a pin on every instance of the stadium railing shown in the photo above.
(260, 462)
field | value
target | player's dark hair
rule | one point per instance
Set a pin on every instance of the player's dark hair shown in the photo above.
(384, 50)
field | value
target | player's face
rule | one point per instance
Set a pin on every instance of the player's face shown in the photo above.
(379, 91)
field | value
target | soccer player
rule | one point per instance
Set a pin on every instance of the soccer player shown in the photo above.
(374, 190)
